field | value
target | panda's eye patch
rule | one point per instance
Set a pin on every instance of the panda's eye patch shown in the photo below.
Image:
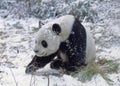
(44, 44)
(56, 28)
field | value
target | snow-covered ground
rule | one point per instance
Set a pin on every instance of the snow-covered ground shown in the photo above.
(17, 41)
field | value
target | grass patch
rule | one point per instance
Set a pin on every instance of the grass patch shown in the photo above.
(102, 67)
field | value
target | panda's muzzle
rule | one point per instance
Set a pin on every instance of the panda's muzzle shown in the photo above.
(40, 54)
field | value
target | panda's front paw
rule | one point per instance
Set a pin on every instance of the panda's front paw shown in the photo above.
(30, 69)
(56, 64)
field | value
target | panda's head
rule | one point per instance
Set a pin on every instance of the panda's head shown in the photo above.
(51, 35)
(47, 41)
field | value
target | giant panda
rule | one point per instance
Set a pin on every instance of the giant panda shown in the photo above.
(63, 42)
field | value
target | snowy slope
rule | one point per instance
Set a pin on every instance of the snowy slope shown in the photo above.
(16, 52)
(17, 40)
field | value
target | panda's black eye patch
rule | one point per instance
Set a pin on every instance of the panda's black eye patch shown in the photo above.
(56, 28)
(44, 44)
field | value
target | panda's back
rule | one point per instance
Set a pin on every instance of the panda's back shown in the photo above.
(74, 46)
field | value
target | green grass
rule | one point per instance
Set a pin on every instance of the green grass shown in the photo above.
(102, 67)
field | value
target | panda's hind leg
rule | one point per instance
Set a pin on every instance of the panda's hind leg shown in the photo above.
(56, 63)
(59, 64)
(69, 67)
(64, 67)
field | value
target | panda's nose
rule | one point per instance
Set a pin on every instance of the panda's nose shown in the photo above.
(36, 51)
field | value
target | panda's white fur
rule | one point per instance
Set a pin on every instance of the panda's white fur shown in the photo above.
(45, 33)
(65, 22)
(90, 48)
(52, 40)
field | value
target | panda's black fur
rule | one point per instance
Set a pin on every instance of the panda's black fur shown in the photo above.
(38, 62)
(74, 49)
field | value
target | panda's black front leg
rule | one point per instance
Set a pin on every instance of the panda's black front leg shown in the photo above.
(38, 62)
(33, 65)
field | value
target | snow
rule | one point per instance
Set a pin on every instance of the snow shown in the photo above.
(16, 48)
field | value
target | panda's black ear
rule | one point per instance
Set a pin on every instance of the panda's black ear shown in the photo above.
(56, 28)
